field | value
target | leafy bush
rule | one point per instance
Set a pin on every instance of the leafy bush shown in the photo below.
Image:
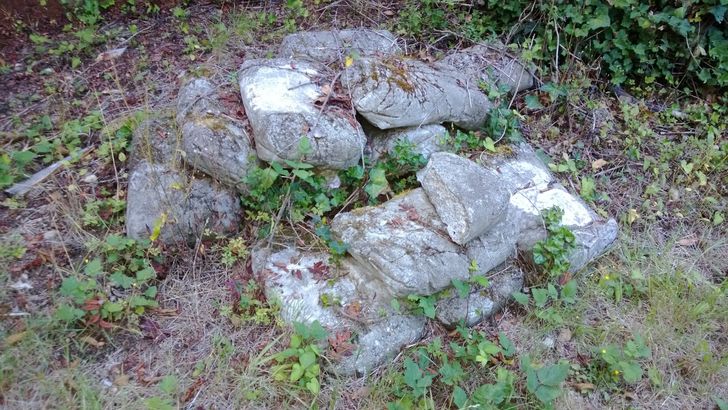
(116, 286)
(299, 363)
(552, 253)
(642, 40)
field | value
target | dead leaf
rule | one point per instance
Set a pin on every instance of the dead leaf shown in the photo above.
(353, 309)
(166, 312)
(121, 380)
(93, 304)
(325, 89)
(15, 338)
(599, 163)
(320, 271)
(360, 393)
(424, 56)
(151, 329)
(688, 241)
(110, 54)
(93, 342)
(564, 335)
(583, 386)
(192, 390)
(340, 344)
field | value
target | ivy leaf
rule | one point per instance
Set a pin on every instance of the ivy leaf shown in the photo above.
(296, 372)
(23, 157)
(480, 280)
(168, 384)
(631, 371)
(307, 359)
(508, 348)
(540, 296)
(146, 274)
(463, 288)
(568, 292)
(113, 307)
(317, 332)
(428, 306)
(533, 102)
(68, 314)
(451, 373)
(377, 183)
(719, 13)
(313, 386)
(521, 298)
(141, 301)
(151, 292)
(588, 188)
(304, 146)
(554, 374)
(121, 280)
(460, 398)
(601, 20)
(158, 403)
(93, 268)
(304, 175)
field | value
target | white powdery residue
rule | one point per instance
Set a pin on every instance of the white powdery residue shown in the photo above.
(538, 175)
(277, 90)
(575, 213)
(534, 202)
(524, 200)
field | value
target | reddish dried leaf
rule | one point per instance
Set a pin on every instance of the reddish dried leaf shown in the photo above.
(340, 344)
(104, 324)
(565, 278)
(298, 274)
(193, 389)
(320, 271)
(353, 309)
(151, 329)
(92, 304)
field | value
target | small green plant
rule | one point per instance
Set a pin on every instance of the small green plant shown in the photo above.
(401, 165)
(115, 287)
(618, 287)
(544, 382)
(249, 305)
(336, 248)
(299, 363)
(116, 143)
(12, 166)
(169, 387)
(103, 213)
(423, 305)
(624, 363)
(235, 251)
(12, 247)
(87, 11)
(295, 10)
(552, 253)
(438, 367)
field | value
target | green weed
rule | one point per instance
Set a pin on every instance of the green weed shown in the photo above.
(300, 362)
(114, 287)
